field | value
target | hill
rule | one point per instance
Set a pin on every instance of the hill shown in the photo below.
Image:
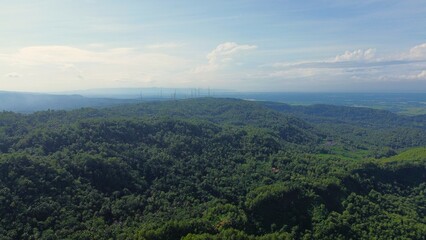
(32, 102)
(413, 154)
(364, 127)
(203, 169)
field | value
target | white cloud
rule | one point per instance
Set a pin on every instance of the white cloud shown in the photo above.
(97, 45)
(352, 67)
(303, 73)
(418, 52)
(229, 65)
(37, 55)
(361, 59)
(227, 49)
(400, 76)
(287, 64)
(223, 54)
(169, 45)
(60, 55)
(12, 75)
(357, 55)
(422, 75)
(67, 67)
(347, 59)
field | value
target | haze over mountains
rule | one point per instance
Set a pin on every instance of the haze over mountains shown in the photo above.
(404, 103)
(31, 102)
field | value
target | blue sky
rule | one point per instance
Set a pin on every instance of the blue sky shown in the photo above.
(247, 45)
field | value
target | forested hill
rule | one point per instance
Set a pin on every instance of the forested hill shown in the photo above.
(362, 126)
(356, 115)
(211, 169)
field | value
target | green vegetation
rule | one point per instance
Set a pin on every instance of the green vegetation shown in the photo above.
(212, 169)
(413, 111)
(413, 154)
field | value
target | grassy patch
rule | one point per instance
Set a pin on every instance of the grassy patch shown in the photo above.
(413, 154)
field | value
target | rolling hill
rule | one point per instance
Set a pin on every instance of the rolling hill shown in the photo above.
(209, 169)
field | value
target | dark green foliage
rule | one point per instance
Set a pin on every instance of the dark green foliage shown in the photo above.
(275, 207)
(362, 127)
(211, 169)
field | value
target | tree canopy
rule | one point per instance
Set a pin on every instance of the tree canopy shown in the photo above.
(212, 169)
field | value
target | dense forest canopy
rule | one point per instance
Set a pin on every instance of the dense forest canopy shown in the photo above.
(213, 169)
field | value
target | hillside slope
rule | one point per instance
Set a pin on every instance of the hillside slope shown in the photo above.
(198, 169)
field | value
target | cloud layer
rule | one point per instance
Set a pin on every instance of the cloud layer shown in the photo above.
(359, 68)
(66, 67)
(357, 55)
(227, 65)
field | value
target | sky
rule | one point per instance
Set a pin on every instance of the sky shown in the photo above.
(242, 45)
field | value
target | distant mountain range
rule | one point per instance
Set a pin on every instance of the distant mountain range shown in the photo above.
(31, 102)
(28, 102)
(151, 93)
(402, 103)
